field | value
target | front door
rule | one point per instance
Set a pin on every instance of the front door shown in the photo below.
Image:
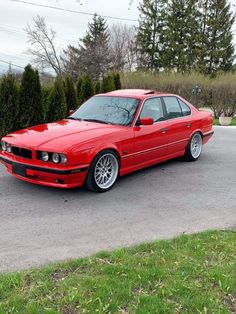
(150, 141)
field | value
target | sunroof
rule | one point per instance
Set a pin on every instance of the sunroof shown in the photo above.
(150, 92)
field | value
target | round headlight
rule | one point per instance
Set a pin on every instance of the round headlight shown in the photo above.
(56, 158)
(45, 156)
(63, 159)
(4, 147)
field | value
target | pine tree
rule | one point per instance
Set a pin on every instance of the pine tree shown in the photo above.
(93, 55)
(57, 102)
(217, 49)
(9, 106)
(30, 99)
(95, 48)
(70, 93)
(151, 33)
(87, 89)
(182, 35)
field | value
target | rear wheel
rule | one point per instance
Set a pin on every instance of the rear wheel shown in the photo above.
(194, 148)
(103, 172)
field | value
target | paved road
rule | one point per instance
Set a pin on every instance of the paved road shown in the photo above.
(40, 225)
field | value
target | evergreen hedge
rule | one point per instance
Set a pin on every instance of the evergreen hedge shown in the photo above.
(57, 108)
(87, 88)
(30, 99)
(70, 93)
(9, 104)
(108, 83)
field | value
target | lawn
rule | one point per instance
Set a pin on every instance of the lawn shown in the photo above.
(216, 121)
(189, 274)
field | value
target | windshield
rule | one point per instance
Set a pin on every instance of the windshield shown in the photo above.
(105, 109)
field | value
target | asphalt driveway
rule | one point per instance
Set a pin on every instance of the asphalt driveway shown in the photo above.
(39, 225)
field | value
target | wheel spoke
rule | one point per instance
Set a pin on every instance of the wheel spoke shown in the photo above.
(196, 145)
(106, 171)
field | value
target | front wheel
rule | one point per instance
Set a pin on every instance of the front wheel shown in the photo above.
(103, 172)
(194, 148)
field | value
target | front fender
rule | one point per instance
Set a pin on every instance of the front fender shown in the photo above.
(102, 147)
(77, 156)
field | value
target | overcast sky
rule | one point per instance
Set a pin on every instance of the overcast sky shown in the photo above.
(68, 26)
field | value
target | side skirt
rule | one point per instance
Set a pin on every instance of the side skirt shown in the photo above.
(149, 163)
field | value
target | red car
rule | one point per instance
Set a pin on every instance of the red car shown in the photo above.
(109, 136)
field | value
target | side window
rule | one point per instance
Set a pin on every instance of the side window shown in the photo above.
(153, 108)
(185, 108)
(172, 107)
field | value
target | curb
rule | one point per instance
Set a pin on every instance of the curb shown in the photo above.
(225, 127)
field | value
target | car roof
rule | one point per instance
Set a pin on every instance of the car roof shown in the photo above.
(137, 93)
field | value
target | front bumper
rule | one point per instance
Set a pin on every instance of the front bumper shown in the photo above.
(68, 177)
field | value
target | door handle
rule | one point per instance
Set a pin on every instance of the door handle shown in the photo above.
(188, 125)
(163, 130)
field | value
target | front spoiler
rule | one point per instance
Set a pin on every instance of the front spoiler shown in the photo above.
(60, 178)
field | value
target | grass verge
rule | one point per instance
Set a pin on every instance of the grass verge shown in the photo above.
(189, 274)
(216, 121)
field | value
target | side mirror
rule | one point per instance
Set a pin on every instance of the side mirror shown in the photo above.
(71, 112)
(146, 121)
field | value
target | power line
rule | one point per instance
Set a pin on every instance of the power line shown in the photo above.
(61, 42)
(21, 67)
(74, 11)
(9, 63)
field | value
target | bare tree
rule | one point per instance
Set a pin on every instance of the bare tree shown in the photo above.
(42, 42)
(123, 46)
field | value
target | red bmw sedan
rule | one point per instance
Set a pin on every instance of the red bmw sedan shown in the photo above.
(109, 136)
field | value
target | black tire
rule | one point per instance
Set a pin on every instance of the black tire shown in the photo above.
(189, 152)
(91, 182)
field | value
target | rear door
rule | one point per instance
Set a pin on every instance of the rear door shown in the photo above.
(179, 123)
(151, 140)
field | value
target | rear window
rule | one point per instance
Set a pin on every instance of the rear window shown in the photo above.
(172, 107)
(185, 108)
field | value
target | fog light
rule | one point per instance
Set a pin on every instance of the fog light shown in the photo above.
(45, 156)
(56, 158)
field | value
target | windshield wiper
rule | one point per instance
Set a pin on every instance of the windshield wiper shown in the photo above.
(96, 120)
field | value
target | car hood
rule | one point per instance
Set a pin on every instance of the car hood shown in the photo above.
(61, 135)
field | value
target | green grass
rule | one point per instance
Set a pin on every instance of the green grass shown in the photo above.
(216, 121)
(189, 274)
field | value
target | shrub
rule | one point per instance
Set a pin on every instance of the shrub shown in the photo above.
(46, 90)
(9, 105)
(70, 93)
(117, 82)
(87, 89)
(57, 108)
(97, 87)
(219, 94)
(78, 87)
(30, 99)
(108, 83)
